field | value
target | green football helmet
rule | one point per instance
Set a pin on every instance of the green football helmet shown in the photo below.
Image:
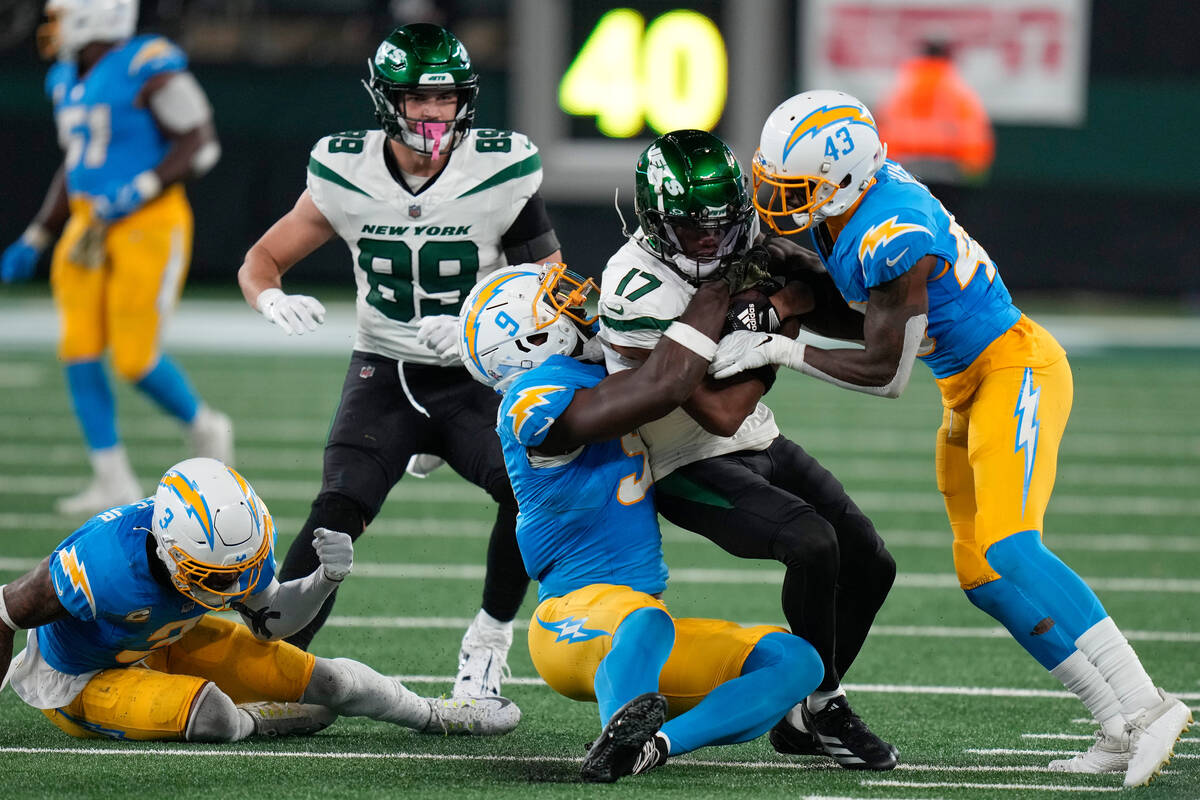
(422, 57)
(693, 204)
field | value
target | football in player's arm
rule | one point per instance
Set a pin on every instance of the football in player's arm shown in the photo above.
(133, 588)
(927, 290)
(589, 532)
(134, 124)
(426, 205)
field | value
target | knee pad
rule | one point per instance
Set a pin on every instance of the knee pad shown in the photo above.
(215, 718)
(337, 512)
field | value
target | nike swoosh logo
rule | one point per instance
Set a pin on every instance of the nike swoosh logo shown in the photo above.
(891, 262)
(617, 308)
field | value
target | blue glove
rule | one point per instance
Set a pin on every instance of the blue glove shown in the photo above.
(18, 262)
(120, 199)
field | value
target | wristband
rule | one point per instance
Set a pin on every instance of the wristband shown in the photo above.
(4, 617)
(36, 237)
(148, 184)
(266, 297)
(795, 357)
(692, 339)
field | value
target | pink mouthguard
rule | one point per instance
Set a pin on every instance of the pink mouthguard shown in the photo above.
(434, 131)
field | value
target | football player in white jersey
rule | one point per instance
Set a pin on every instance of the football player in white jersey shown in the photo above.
(720, 464)
(426, 206)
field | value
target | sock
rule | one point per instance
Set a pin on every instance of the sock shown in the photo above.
(486, 623)
(1032, 627)
(353, 689)
(166, 385)
(640, 647)
(1046, 581)
(1082, 679)
(819, 699)
(1106, 647)
(95, 407)
(779, 672)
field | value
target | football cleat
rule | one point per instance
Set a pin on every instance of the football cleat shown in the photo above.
(114, 484)
(1108, 753)
(471, 716)
(1152, 738)
(274, 718)
(211, 435)
(482, 662)
(789, 740)
(623, 747)
(847, 739)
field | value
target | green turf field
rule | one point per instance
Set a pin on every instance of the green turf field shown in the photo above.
(972, 714)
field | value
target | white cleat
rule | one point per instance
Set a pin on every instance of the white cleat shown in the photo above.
(211, 435)
(471, 716)
(275, 718)
(105, 491)
(1107, 754)
(482, 662)
(1152, 738)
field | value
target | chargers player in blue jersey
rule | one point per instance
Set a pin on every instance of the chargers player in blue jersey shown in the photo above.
(589, 534)
(925, 289)
(134, 124)
(123, 646)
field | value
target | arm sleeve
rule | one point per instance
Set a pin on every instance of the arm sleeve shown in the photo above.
(281, 609)
(531, 237)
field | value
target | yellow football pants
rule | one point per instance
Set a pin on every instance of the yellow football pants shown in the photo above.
(152, 700)
(997, 457)
(707, 652)
(121, 299)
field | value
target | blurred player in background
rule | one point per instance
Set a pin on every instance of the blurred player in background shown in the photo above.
(589, 533)
(722, 468)
(123, 645)
(134, 124)
(928, 290)
(426, 205)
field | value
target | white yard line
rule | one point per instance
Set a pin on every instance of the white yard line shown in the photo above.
(1015, 787)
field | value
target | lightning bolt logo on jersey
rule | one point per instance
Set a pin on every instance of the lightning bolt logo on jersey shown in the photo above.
(1027, 428)
(896, 224)
(583, 518)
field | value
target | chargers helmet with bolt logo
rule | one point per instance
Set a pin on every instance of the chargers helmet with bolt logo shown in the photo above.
(517, 317)
(213, 532)
(422, 58)
(70, 24)
(818, 153)
(693, 204)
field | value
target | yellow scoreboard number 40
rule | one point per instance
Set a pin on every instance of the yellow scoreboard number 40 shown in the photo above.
(671, 74)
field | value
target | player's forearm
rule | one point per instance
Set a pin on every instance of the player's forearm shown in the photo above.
(287, 607)
(190, 155)
(879, 371)
(720, 407)
(52, 215)
(259, 272)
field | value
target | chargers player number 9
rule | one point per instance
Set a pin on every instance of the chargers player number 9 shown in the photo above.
(504, 321)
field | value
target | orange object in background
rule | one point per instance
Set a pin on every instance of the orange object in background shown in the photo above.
(934, 124)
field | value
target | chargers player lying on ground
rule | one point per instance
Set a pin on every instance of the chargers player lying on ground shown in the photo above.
(135, 125)
(589, 534)
(926, 289)
(124, 646)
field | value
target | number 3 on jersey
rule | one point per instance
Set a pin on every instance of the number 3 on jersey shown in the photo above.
(633, 487)
(443, 274)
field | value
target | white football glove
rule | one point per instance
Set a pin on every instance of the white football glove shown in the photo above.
(421, 464)
(292, 312)
(746, 350)
(440, 334)
(335, 550)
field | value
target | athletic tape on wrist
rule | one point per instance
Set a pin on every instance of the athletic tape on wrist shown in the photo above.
(36, 237)
(148, 184)
(4, 617)
(692, 339)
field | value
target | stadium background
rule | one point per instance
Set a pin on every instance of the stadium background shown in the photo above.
(1094, 218)
(1122, 186)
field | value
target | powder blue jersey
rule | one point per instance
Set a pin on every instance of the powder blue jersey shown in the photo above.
(586, 517)
(897, 223)
(118, 611)
(108, 137)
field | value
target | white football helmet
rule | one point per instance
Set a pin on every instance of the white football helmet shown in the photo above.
(818, 153)
(70, 24)
(517, 317)
(213, 532)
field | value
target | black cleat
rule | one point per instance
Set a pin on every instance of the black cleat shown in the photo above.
(621, 746)
(786, 738)
(847, 739)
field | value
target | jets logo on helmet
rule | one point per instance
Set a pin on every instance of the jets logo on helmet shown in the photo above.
(819, 151)
(693, 204)
(213, 532)
(517, 317)
(422, 57)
